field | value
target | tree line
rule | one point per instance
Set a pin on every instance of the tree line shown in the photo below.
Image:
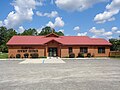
(6, 34)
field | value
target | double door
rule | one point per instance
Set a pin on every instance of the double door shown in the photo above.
(53, 52)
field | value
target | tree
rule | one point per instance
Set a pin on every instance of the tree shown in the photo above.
(10, 33)
(5, 35)
(3, 30)
(59, 33)
(115, 44)
(30, 32)
(47, 30)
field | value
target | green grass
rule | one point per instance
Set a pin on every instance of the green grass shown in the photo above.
(3, 55)
(118, 58)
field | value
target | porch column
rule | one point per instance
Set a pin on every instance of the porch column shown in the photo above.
(60, 50)
(45, 51)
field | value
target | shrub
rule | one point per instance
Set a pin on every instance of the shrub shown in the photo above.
(18, 55)
(65, 57)
(26, 55)
(80, 54)
(43, 57)
(88, 54)
(71, 55)
(34, 55)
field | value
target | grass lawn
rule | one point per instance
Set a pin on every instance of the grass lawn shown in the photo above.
(115, 57)
(3, 55)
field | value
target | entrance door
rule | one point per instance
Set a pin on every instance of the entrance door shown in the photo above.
(52, 52)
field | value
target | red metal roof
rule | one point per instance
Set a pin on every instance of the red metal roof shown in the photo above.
(65, 40)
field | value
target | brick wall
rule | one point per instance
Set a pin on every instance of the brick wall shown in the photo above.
(43, 50)
(91, 49)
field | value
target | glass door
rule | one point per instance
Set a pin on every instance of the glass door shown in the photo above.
(52, 52)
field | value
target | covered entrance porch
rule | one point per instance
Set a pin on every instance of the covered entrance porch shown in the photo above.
(52, 49)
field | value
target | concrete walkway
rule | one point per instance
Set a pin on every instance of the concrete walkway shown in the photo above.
(48, 60)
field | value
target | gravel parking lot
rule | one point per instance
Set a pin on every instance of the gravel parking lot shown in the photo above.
(72, 75)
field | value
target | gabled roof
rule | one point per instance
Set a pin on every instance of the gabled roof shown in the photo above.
(52, 35)
(65, 40)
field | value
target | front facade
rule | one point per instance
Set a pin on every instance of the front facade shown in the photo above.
(53, 45)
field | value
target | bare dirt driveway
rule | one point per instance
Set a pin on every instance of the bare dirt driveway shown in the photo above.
(72, 75)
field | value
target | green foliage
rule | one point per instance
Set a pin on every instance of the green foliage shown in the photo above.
(34, 55)
(115, 44)
(71, 55)
(5, 35)
(59, 33)
(80, 54)
(48, 30)
(88, 54)
(43, 57)
(3, 55)
(30, 32)
(18, 55)
(65, 57)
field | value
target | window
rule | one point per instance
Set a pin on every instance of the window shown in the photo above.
(84, 49)
(70, 50)
(101, 49)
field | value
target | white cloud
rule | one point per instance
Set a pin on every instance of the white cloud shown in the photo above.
(93, 37)
(23, 11)
(115, 4)
(97, 31)
(50, 24)
(21, 29)
(61, 30)
(76, 5)
(82, 34)
(77, 28)
(109, 33)
(111, 19)
(58, 23)
(108, 15)
(109, 37)
(114, 29)
(118, 32)
(40, 29)
(51, 15)
(39, 13)
(1, 23)
(101, 33)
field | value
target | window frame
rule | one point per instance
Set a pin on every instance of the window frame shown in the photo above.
(84, 49)
(101, 50)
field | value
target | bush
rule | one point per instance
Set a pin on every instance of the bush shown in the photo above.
(80, 54)
(43, 57)
(71, 55)
(65, 57)
(88, 54)
(26, 55)
(34, 55)
(18, 55)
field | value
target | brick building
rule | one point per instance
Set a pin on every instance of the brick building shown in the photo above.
(54, 45)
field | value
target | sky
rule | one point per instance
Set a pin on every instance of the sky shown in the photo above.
(93, 18)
